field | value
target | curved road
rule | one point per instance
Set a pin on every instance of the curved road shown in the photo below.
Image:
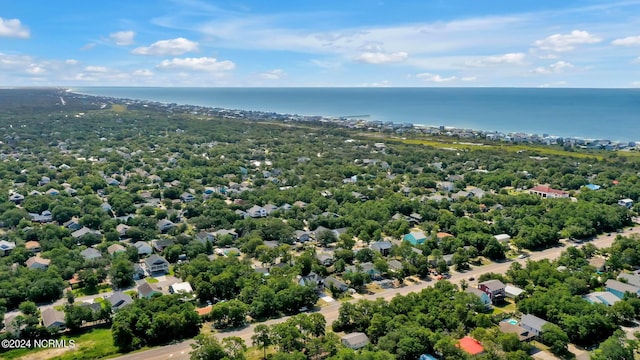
(181, 350)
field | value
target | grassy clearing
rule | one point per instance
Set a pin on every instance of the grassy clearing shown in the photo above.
(102, 288)
(529, 150)
(507, 307)
(119, 108)
(151, 280)
(95, 344)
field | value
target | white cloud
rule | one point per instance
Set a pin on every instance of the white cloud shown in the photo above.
(566, 42)
(326, 64)
(435, 78)
(557, 67)
(35, 69)
(96, 69)
(561, 65)
(13, 28)
(177, 46)
(548, 57)
(635, 83)
(469, 78)
(382, 57)
(143, 72)
(89, 46)
(71, 62)
(554, 84)
(122, 38)
(505, 59)
(628, 41)
(637, 60)
(276, 74)
(197, 64)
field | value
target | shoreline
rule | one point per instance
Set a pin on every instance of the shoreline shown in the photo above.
(511, 136)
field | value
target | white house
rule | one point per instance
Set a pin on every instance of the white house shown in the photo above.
(355, 341)
(628, 203)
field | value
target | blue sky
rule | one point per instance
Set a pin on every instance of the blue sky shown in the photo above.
(469, 43)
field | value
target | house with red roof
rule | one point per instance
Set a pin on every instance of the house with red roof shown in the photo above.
(546, 191)
(470, 345)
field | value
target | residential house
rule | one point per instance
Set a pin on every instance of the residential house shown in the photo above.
(546, 191)
(37, 262)
(52, 192)
(42, 218)
(470, 345)
(269, 208)
(383, 247)
(443, 235)
(313, 280)
(366, 268)
(509, 328)
(187, 197)
(33, 246)
(53, 319)
(427, 357)
(16, 198)
(165, 225)
(143, 248)
(160, 244)
(181, 288)
(325, 258)
(257, 211)
(618, 288)
(91, 254)
(503, 238)
(84, 231)
(119, 300)
(628, 203)
(445, 186)
(355, 341)
(332, 283)
(601, 297)
(416, 237)
(495, 289)
(484, 298)
(115, 248)
(302, 236)
(395, 266)
(122, 230)
(512, 291)
(477, 192)
(222, 232)
(598, 262)
(532, 324)
(138, 272)
(146, 291)
(6, 247)
(156, 263)
(204, 237)
(73, 224)
(633, 279)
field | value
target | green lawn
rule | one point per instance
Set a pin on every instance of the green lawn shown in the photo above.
(102, 288)
(95, 344)
(151, 280)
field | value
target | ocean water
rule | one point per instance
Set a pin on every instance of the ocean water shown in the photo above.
(612, 114)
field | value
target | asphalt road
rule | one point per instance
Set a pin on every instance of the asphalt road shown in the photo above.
(181, 350)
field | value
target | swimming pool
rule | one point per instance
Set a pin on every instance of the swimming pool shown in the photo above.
(511, 321)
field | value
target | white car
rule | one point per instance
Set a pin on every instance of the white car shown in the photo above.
(523, 256)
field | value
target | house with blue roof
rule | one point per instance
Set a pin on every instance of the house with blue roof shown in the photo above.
(601, 297)
(618, 288)
(416, 237)
(593, 187)
(427, 357)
